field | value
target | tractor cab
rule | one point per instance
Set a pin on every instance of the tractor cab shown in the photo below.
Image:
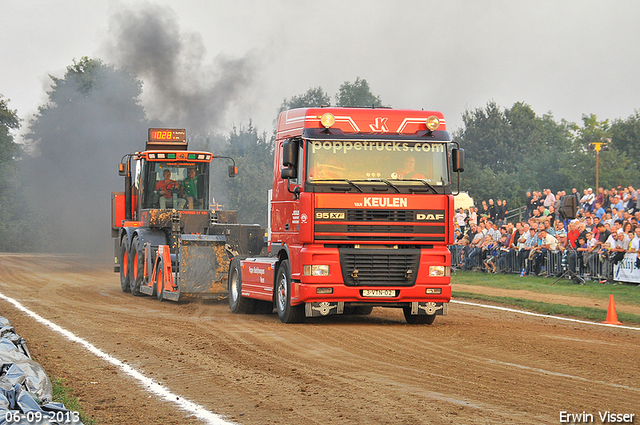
(167, 241)
(173, 185)
(166, 176)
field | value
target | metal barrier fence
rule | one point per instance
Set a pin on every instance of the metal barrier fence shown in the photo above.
(545, 263)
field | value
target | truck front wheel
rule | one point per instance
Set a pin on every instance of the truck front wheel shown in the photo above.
(414, 319)
(286, 312)
(238, 303)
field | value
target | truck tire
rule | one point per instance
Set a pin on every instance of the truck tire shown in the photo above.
(136, 267)
(286, 312)
(423, 319)
(238, 303)
(123, 259)
(159, 284)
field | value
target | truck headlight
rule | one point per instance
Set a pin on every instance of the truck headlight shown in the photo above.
(316, 270)
(438, 271)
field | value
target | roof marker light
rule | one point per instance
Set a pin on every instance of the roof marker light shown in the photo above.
(433, 123)
(327, 120)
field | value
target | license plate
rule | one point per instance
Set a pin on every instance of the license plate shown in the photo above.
(378, 293)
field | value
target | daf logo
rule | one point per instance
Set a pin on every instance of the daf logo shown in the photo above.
(430, 217)
(330, 216)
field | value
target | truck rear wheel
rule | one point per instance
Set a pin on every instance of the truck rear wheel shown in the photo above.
(238, 303)
(286, 312)
(422, 319)
(123, 259)
(159, 284)
(136, 268)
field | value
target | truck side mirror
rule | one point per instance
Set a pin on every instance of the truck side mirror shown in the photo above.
(121, 170)
(289, 159)
(233, 170)
(457, 159)
(290, 153)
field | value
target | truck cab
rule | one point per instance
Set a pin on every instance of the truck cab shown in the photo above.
(361, 214)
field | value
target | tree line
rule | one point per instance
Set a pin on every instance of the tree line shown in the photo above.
(510, 151)
(56, 185)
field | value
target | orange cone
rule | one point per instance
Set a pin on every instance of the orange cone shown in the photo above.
(612, 316)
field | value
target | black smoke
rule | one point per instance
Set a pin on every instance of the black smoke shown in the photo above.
(154, 75)
(181, 88)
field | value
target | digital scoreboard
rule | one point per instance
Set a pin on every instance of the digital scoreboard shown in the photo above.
(167, 135)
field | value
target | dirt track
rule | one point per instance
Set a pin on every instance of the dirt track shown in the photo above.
(474, 366)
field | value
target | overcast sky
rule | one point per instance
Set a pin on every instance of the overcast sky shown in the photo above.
(565, 57)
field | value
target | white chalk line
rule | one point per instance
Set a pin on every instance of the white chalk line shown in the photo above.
(547, 316)
(149, 384)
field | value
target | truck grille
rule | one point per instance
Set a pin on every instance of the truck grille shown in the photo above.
(379, 267)
(380, 215)
(380, 225)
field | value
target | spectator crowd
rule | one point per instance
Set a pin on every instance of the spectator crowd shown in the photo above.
(585, 233)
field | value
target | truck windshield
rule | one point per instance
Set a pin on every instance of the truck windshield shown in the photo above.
(403, 163)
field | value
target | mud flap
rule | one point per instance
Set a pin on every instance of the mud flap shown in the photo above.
(439, 309)
(323, 309)
(204, 265)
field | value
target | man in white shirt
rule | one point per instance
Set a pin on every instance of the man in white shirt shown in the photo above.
(492, 230)
(473, 216)
(634, 246)
(550, 199)
(591, 254)
(459, 218)
(546, 243)
(474, 248)
(619, 244)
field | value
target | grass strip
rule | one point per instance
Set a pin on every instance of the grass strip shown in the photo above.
(62, 394)
(623, 293)
(585, 313)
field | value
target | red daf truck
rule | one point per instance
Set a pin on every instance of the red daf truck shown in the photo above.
(361, 213)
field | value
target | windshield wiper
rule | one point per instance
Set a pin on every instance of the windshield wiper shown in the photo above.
(387, 182)
(354, 185)
(424, 182)
(345, 180)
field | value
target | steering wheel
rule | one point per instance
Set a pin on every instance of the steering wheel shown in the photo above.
(173, 187)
